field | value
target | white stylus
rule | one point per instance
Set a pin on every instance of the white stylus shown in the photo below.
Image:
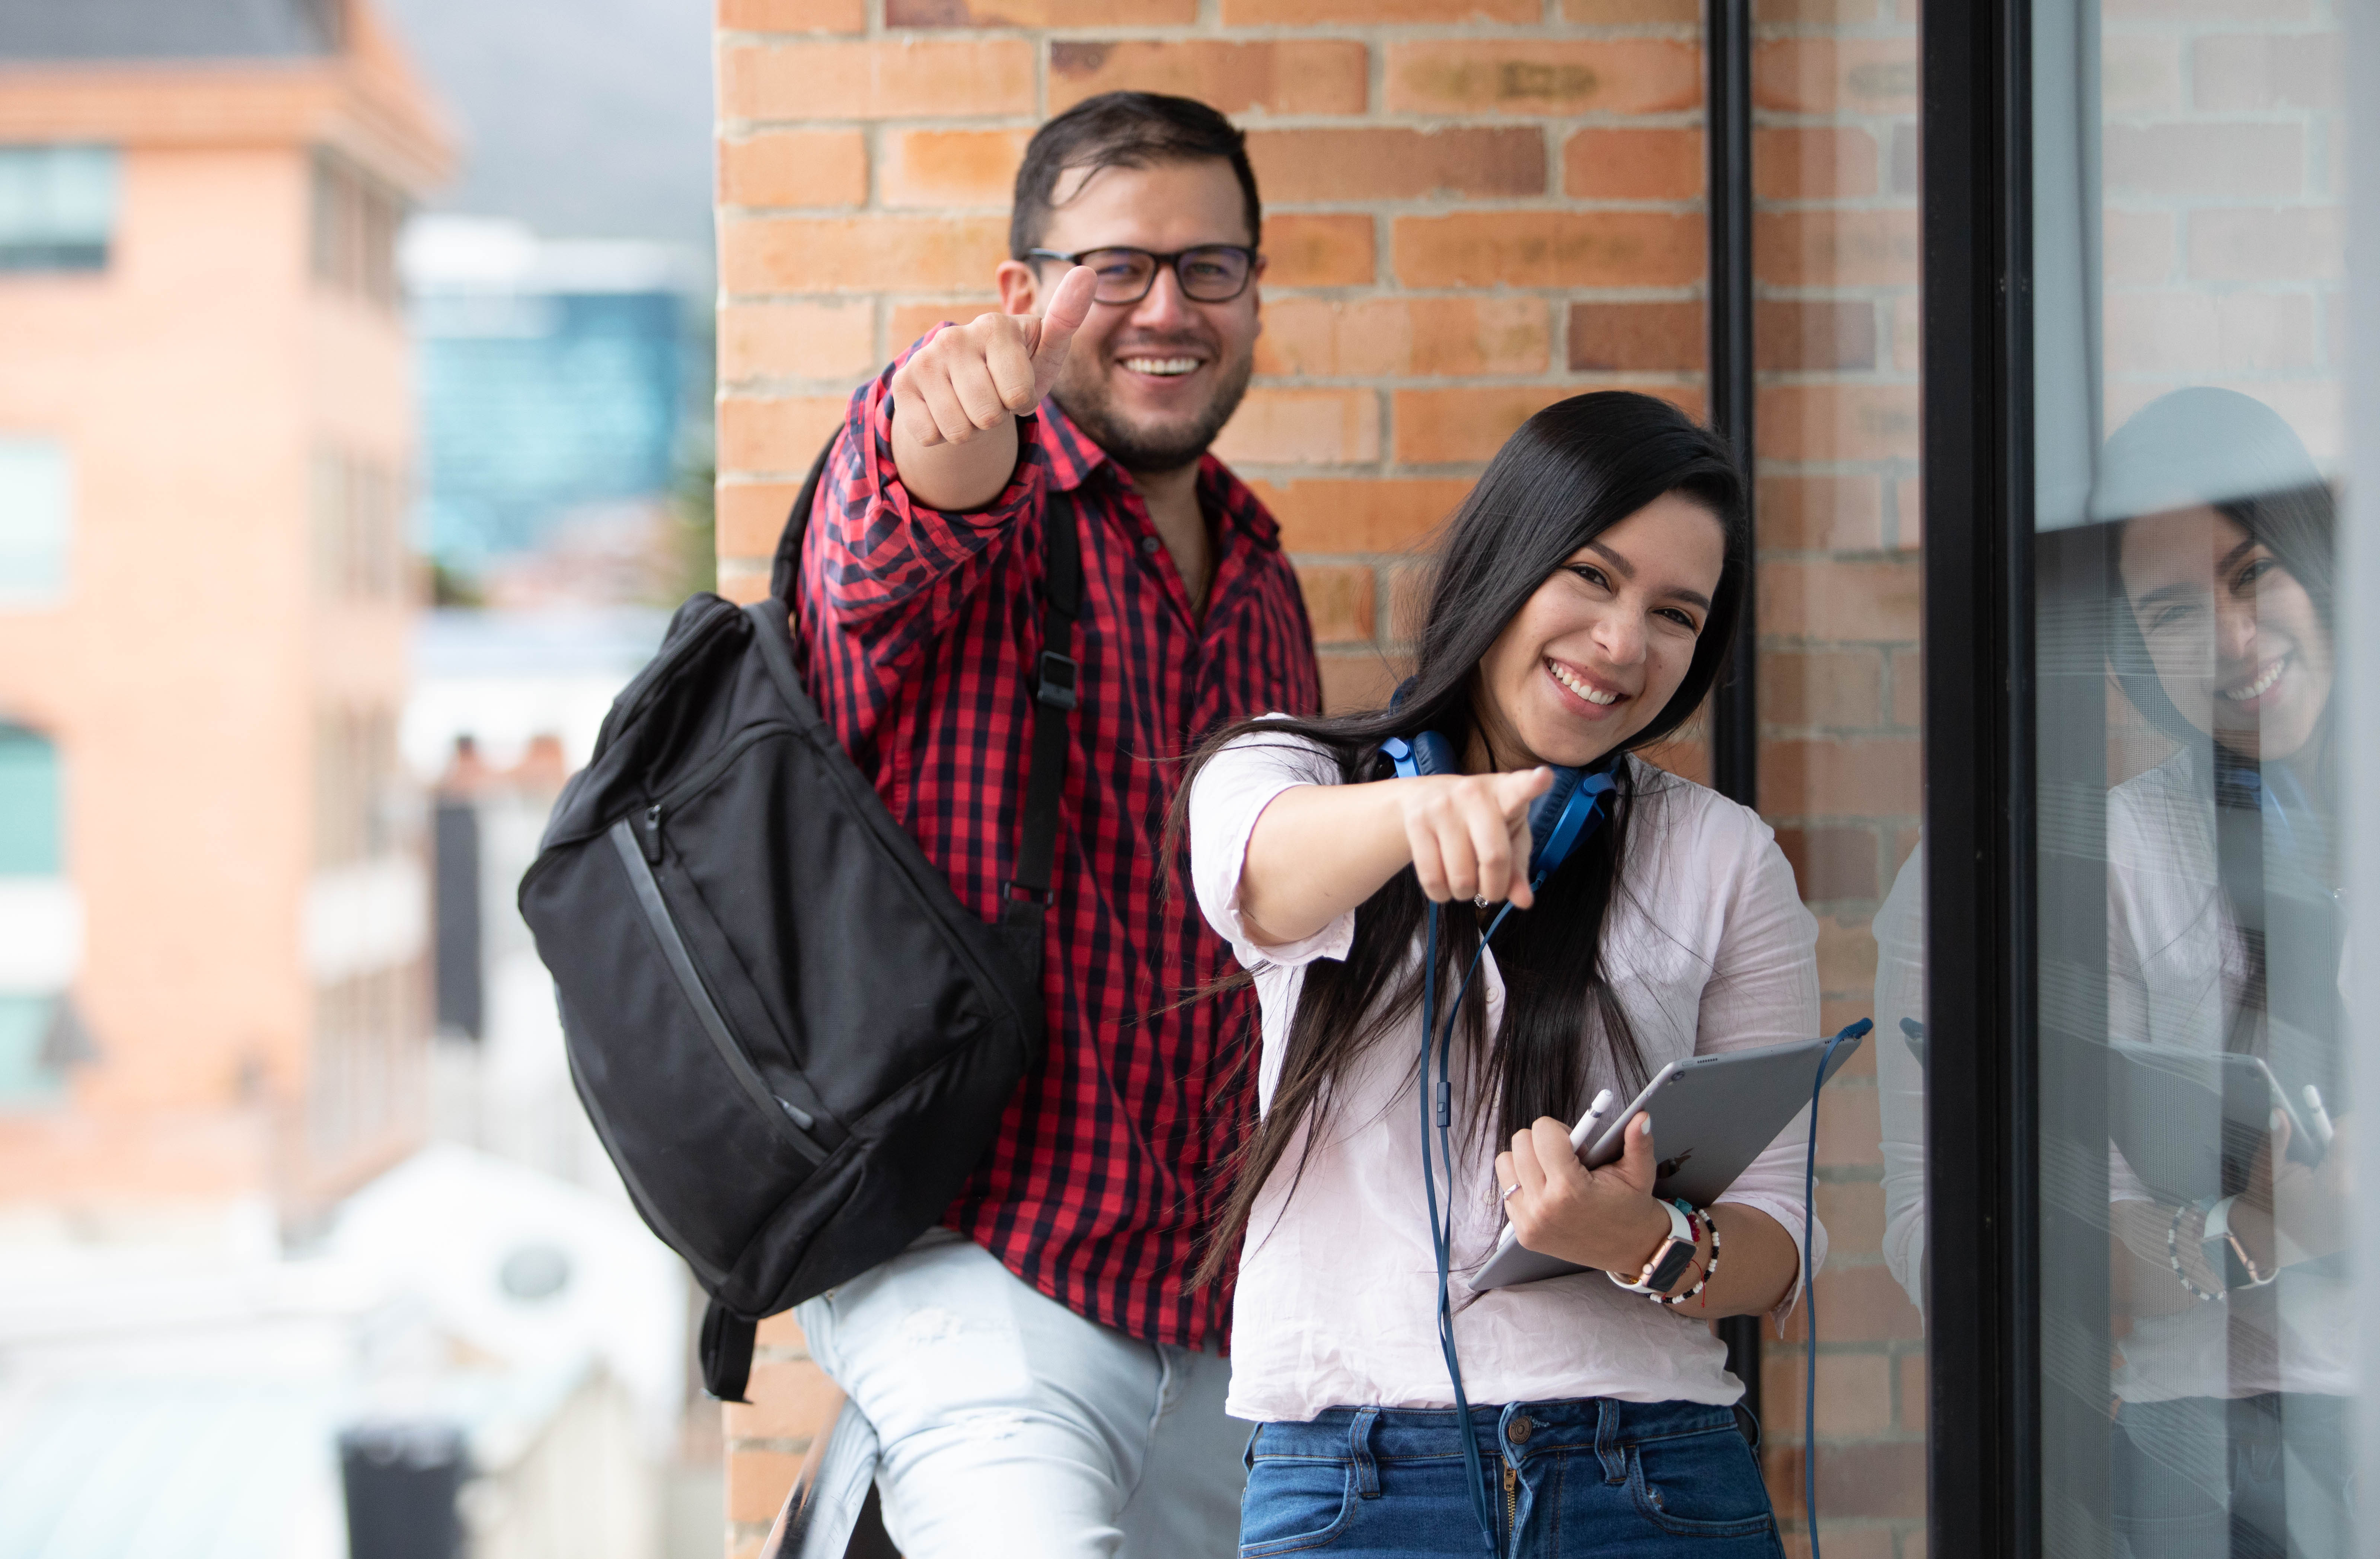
(1580, 1135)
(2322, 1130)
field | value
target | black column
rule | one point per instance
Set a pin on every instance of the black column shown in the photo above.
(1734, 710)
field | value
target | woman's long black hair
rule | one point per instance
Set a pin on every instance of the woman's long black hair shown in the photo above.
(1570, 474)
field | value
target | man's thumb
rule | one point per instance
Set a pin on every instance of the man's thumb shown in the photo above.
(1069, 306)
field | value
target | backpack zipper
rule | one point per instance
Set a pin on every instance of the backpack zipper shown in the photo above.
(791, 1123)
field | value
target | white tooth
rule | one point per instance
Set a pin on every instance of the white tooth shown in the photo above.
(2262, 685)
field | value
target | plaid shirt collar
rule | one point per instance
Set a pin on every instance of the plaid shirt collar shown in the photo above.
(1073, 459)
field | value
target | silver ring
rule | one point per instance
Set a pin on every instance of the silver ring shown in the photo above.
(1479, 901)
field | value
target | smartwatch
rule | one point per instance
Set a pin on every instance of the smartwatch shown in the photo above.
(2221, 1245)
(1670, 1258)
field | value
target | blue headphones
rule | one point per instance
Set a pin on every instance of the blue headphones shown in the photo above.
(1563, 819)
(1559, 820)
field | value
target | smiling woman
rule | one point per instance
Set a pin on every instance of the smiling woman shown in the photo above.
(1585, 594)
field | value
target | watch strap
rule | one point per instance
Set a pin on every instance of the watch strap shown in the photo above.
(1669, 1258)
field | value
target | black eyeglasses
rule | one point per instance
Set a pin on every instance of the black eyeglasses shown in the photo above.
(1210, 274)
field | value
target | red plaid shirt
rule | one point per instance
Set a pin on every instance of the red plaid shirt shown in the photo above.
(919, 633)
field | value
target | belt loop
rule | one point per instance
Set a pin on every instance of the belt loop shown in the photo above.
(1248, 1457)
(1607, 1441)
(1359, 1446)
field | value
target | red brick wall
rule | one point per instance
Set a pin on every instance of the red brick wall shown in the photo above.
(1835, 263)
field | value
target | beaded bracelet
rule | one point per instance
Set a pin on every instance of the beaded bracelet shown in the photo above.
(1700, 1222)
(2173, 1258)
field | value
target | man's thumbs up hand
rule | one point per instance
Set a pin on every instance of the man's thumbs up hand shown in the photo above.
(973, 379)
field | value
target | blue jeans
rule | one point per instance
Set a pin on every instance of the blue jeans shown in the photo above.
(1639, 1480)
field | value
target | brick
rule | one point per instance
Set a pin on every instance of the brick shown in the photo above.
(1339, 600)
(1402, 336)
(1813, 163)
(1311, 250)
(1550, 249)
(1396, 165)
(2260, 72)
(860, 253)
(797, 340)
(793, 15)
(2137, 247)
(1040, 13)
(1410, 583)
(1631, 164)
(1911, 1407)
(2270, 244)
(1835, 248)
(1855, 1393)
(1768, 12)
(1353, 682)
(1375, 13)
(794, 168)
(1369, 514)
(1437, 427)
(1813, 335)
(1908, 333)
(775, 433)
(1902, 178)
(2265, 161)
(1841, 601)
(2140, 74)
(1846, 959)
(1908, 669)
(1877, 1480)
(883, 79)
(910, 322)
(1829, 863)
(1637, 337)
(790, 1400)
(750, 517)
(1872, 776)
(1836, 76)
(1542, 75)
(1626, 13)
(1281, 427)
(1837, 422)
(1833, 513)
(950, 167)
(1830, 689)
(1688, 757)
(757, 1482)
(2204, 332)
(1286, 75)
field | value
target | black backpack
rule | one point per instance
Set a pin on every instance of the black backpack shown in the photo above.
(794, 1041)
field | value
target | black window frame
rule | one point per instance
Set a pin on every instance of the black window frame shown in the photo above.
(1982, 1280)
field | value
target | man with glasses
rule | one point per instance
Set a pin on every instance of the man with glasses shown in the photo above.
(1041, 1379)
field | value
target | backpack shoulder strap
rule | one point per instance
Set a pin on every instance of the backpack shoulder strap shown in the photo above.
(785, 573)
(1057, 689)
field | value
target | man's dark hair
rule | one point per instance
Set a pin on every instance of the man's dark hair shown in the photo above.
(1123, 130)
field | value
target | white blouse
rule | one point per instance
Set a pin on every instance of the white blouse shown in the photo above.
(1709, 950)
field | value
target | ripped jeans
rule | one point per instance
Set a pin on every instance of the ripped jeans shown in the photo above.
(1012, 1426)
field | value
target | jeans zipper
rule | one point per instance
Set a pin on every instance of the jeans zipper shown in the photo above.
(1512, 1499)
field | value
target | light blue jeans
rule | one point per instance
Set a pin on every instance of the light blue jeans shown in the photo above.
(1012, 1426)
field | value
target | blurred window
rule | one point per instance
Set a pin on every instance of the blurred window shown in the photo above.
(355, 223)
(359, 528)
(57, 207)
(36, 520)
(29, 805)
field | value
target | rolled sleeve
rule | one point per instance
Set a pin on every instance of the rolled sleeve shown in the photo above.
(1229, 794)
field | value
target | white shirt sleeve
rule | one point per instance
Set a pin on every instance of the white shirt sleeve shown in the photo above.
(1764, 990)
(1226, 798)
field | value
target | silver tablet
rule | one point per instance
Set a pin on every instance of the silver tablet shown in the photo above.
(1712, 1115)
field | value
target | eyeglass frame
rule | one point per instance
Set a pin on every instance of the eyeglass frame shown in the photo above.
(1163, 262)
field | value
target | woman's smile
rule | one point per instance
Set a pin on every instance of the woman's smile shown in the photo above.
(1587, 696)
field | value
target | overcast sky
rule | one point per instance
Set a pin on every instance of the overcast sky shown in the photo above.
(585, 118)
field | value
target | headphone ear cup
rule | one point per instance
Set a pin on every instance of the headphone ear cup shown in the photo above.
(1434, 754)
(1565, 818)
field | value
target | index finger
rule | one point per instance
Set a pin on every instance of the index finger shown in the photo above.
(1516, 789)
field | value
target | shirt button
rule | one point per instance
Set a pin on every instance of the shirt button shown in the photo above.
(1149, 545)
(1520, 1429)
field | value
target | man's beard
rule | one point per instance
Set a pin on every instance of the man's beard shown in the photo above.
(1082, 391)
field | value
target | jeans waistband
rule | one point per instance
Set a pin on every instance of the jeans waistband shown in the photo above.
(1517, 1430)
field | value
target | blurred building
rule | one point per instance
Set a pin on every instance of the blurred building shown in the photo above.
(554, 381)
(214, 908)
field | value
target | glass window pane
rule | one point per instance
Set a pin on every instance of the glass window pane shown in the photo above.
(2197, 1321)
(1835, 327)
(29, 805)
(36, 520)
(57, 207)
(27, 1074)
